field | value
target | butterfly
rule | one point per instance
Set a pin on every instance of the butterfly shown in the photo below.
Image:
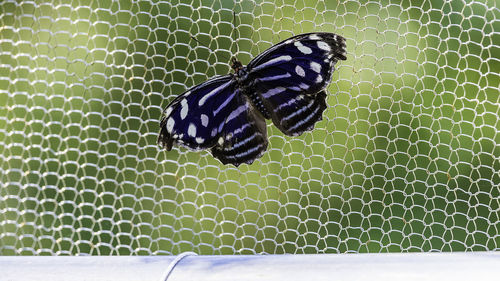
(226, 114)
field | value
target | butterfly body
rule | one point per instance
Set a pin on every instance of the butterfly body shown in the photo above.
(226, 114)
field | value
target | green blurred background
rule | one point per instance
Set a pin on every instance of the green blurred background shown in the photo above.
(406, 159)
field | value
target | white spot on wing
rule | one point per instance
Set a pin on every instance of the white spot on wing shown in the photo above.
(220, 141)
(168, 111)
(273, 92)
(214, 132)
(170, 124)
(300, 71)
(316, 67)
(204, 120)
(314, 37)
(319, 79)
(303, 49)
(192, 130)
(200, 140)
(213, 92)
(304, 86)
(273, 61)
(324, 46)
(184, 109)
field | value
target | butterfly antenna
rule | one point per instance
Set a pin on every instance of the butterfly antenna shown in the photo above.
(204, 45)
(194, 38)
(233, 32)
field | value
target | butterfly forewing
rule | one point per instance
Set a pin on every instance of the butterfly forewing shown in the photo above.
(215, 115)
(195, 118)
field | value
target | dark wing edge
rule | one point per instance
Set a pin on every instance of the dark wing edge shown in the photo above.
(333, 40)
(338, 45)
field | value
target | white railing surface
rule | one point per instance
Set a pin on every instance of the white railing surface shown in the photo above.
(349, 267)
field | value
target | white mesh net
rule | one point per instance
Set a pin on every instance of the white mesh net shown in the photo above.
(407, 157)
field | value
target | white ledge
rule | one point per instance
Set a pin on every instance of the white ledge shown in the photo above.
(349, 267)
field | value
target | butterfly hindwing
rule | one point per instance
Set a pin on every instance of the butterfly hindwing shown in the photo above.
(295, 112)
(244, 136)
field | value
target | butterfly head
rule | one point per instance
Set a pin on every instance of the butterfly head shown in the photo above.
(239, 69)
(236, 64)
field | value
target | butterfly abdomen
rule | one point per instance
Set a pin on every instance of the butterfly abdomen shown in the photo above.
(248, 88)
(257, 102)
